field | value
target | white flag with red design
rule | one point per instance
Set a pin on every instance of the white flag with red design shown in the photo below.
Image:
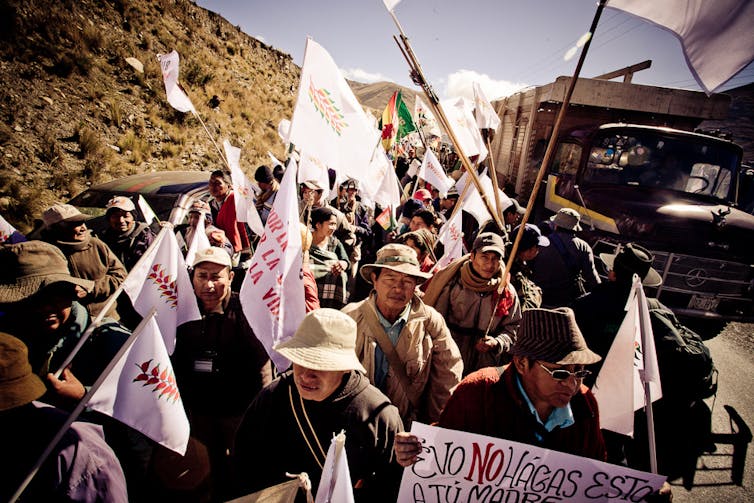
(631, 361)
(176, 97)
(272, 293)
(328, 121)
(432, 171)
(451, 237)
(246, 210)
(141, 391)
(425, 119)
(160, 280)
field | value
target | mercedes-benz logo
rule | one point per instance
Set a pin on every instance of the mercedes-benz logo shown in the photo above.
(696, 278)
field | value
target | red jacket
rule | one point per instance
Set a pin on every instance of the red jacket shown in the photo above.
(234, 230)
(490, 403)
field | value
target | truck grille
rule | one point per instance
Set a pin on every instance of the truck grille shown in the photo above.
(697, 275)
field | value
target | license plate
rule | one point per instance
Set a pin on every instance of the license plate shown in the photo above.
(703, 303)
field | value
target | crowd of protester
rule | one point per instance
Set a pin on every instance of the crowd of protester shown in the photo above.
(389, 338)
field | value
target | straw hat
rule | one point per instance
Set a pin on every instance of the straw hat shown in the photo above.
(634, 259)
(325, 340)
(398, 258)
(26, 268)
(552, 335)
(18, 384)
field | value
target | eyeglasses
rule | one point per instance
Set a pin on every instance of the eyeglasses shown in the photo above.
(563, 374)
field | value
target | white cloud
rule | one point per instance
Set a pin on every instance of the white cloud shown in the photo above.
(460, 84)
(363, 76)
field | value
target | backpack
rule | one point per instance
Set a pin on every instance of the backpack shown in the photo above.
(687, 371)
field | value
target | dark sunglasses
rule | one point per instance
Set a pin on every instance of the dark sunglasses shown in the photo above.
(563, 374)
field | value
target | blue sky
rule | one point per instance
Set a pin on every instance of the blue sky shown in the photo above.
(503, 44)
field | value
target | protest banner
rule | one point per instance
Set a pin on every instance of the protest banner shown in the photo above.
(457, 466)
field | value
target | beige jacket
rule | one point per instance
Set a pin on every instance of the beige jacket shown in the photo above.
(432, 360)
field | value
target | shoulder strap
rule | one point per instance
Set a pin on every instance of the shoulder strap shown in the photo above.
(555, 239)
(386, 345)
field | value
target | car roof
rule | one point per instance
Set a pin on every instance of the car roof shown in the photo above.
(160, 182)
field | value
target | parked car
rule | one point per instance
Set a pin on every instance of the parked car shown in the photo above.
(168, 193)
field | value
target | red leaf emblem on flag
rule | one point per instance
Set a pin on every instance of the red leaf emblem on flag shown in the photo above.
(165, 285)
(162, 381)
(325, 105)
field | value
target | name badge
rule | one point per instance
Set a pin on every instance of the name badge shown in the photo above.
(203, 365)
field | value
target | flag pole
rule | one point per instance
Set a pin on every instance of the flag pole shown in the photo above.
(76, 412)
(554, 136)
(418, 76)
(97, 321)
(647, 394)
(493, 177)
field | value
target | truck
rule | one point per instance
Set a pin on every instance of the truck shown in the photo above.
(629, 161)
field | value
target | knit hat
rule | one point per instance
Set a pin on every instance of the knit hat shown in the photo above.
(18, 384)
(398, 258)
(26, 268)
(633, 259)
(120, 203)
(552, 335)
(263, 174)
(325, 340)
(489, 241)
(567, 218)
(58, 213)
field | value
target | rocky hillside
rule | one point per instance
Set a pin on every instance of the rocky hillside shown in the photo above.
(74, 111)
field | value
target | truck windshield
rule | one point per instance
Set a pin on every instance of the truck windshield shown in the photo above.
(662, 161)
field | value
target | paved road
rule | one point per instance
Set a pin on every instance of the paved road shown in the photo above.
(733, 353)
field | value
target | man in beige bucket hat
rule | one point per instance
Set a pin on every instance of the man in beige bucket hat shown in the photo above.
(538, 399)
(290, 423)
(404, 345)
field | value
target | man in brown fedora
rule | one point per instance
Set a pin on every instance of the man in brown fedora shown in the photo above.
(538, 399)
(289, 425)
(81, 467)
(404, 345)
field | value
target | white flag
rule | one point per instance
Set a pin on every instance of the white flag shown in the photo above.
(382, 175)
(274, 160)
(459, 112)
(486, 117)
(147, 211)
(310, 167)
(160, 280)
(8, 233)
(472, 201)
(432, 171)
(451, 237)
(176, 97)
(390, 4)
(141, 391)
(246, 210)
(335, 483)
(328, 121)
(715, 35)
(272, 293)
(425, 119)
(632, 360)
(199, 241)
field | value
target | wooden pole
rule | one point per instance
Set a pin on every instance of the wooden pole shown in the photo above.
(418, 76)
(80, 407)
(493, 176)
(554, 136)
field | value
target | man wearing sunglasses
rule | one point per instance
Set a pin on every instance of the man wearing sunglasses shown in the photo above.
(537, 399)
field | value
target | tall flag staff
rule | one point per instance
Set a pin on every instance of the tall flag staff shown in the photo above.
(417, 75)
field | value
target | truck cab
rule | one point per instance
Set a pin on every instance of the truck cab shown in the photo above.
(678, 193)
